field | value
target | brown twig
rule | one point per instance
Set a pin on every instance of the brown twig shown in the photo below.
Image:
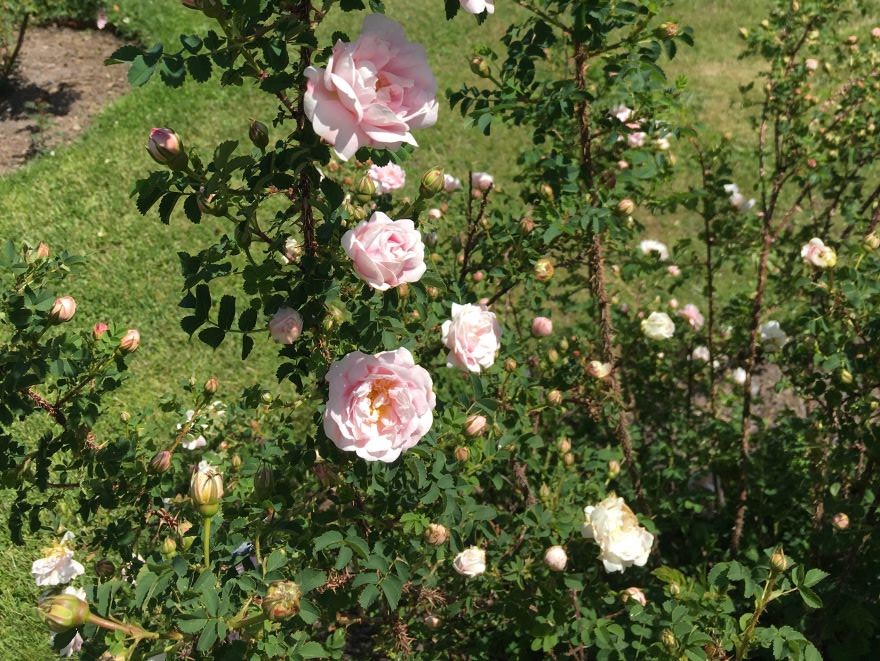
(53, 411)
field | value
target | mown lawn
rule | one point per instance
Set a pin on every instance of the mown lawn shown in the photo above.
(79, 199)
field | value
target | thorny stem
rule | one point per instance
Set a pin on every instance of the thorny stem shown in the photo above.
(598, 287)
(761, 605)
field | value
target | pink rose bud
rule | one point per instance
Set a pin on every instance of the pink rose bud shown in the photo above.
(62, 310)
(542, 327)
(165, 147)
(564, 445)
(433, 622)
(554, 397)
(211, 386)
(622, 165)
(598, 369)
(555, 558)
(875, 33)
(484, 301)
(568, 459)
(526, 225)
(436, 534)
(475, 425)
(130, 341)
(434, 214)
(478, 276)
(626, 206)
(462, 454)
(43, 250)
(286, 325)
(99, 329)
(673, 270)
(161, 462)
(481, 181)
(840, 521)
(635, 594)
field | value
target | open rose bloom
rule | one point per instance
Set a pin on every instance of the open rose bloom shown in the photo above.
(817, 254)
(473, 337)
(388, 178)
(380, 405)
(57, 566)
(372, 92)
(386, 253)
(622, 541)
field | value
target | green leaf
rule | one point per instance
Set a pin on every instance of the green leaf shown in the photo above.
(309, 579)
(125, 54)
(276, 560)
(208, 637)
(814, 576)
(810, 598)
(212, 336)
(140, 72)
(191, 626)
(368, 596)
(312, 650)
(226, 314)
(393, 588)
(145, 581)
(329, 538)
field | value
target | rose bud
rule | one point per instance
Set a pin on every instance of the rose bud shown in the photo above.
(626, 206)
(480, 67)
(264, 482)
(432, 292)
(613, 469)
(259, 134)
(871, 242)
(543, 269)
(430, 239)
(432, 183)
(598, 369)
(568, 459)
(62, 310)
(365, 189)
(130, 341)
(235, 462)
(104, 568)
(99, 329)
(436, 534)
(547, 192)
(211, 386)
(563, 444)
(165, 147)
(526, 225)
(474, 425)
(554, 397)
(168, 548)
(510, 365)
(432, 622)
(840, 521)
(42, 250)
(160, 462)
(206, 489)
(478, 276)
(541, 326)
(462, 454)
(282, 601)
(63, 612)
(403, 290)
(778, 561)
(635, 594)
(668, 639)
(555, 558)
(286, 325)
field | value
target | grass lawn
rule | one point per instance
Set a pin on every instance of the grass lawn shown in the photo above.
(78, 199)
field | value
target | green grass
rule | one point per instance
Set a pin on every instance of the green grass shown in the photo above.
(79, 199)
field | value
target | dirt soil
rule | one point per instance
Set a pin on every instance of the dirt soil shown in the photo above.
(61, 83)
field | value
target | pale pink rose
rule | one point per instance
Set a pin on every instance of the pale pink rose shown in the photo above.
(435, 214)
(470, 562)
(386, 253)
(380, 405)
(99, 329)
(473, 337)
(478, 6)
(636, 139)
(286, 325)
(875, 33)
(388, 178)
(693, 316)
(101, 19)
(811, 64)
(621, 112)
(555, 558)
(816, 253)
(372, 92)
(481, 181)
(541, 326)
(673, 303)
(450, 183)
(636, 595)
(673, 270)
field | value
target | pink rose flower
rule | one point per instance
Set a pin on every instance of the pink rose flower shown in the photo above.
(286, 325)
(379, 406)
(450, 183)
(541, 326)
(372, 92)
(386, 253)
(481, 181)
(473, 337)
(637, 139)
(387, 178)
(478, 6)
(817, 254)
(693, 316)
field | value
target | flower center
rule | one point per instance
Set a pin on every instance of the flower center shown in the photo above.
(380, 400)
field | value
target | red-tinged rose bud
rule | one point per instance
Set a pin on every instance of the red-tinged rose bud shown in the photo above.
(282, 601)
(403, 290)
(99, 329)
(542, 327)
(211, 386)
(475, 425)
(206, 489)
(130, 341)
(42, 251)
(62, 310)
(432, 292)
(432, 183)
(436, 534)
(636, 594)
(259, 134)
(543, 269)
(433, 622)
(160, 462)
(166, 148)
(478, 276)
(840, 521)
(626, 206)
(63, 612)
(510, 365)
(462, 454)
(209, 205)
(526, 225)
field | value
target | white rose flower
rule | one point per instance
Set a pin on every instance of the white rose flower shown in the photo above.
(555, 558)
(622, 541)
(739, 376)
(772, 336)
(658, 326)
(470, 562)
(57, 566)
(701, 353)
(473, 337)
(649, 246)
(817, 254)
(737, 200)
(621, 112)
(74, 646)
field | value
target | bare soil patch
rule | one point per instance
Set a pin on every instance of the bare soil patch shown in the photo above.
(60, 84)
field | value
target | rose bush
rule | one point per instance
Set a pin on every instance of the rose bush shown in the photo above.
(446, 471)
